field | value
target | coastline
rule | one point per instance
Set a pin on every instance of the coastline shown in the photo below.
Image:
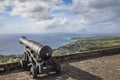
(80, 44)
(75, 45)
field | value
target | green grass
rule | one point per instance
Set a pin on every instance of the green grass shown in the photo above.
(90, 43)
(55, 53)
(11, 60)
(2, 69)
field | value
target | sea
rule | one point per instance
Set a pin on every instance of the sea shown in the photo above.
(9, 43)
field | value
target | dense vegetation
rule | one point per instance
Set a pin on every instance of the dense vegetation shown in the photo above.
(88, 43)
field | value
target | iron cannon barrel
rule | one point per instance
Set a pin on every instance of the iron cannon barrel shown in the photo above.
(43, 52)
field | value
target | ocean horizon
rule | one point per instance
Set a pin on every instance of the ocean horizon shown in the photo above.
(9, 43)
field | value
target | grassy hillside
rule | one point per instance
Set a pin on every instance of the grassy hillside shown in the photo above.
(88, 43)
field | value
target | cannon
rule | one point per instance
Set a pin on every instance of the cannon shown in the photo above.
(38, 58)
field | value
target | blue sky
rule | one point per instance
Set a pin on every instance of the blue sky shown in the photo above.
(58, 16)
(67, 2)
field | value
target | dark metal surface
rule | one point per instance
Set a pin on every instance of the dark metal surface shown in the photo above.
(43, 52)
(37, 57)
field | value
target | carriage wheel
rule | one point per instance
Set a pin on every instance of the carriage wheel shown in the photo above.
(57, 68)
(23, 64)
(34, 72)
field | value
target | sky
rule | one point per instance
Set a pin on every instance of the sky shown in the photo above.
(59, 16)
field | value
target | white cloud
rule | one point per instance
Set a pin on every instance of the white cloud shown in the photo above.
(67, 24)
(97, 12)
(36, 9)
(73, 17)
(2, 6)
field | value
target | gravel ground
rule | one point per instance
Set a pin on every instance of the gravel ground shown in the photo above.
(104, 68)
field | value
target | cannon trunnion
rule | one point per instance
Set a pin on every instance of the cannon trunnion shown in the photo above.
(38, 58)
